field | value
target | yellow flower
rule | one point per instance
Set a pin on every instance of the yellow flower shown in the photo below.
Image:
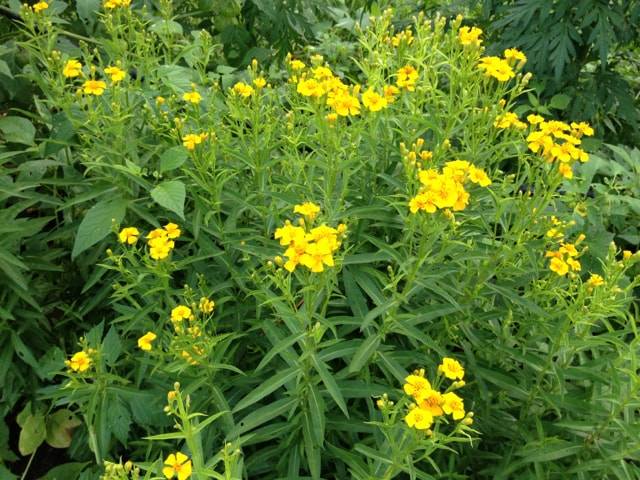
(73, 68)
(173, 230)
(595, 280)
(116, 74)
(260, 82)
(419, 418)
(309, 88)
(79, 362)
(111, 4)
(296, 65)
(479, 176)
(308, 209)
(129, 235)
(431, 401)
(497, 68)
(453, 405)
(513, 55)
(535, 119)
(160, 244)
(451, 369)
(40, 6)
(565, 170)
(539, 141)
(177, 465)
(160, 100)
(344, 103)
(206, 305)
(470, 36)
(94, 87)
(390, 92)
(317, 255)
(509, 119)
(415, 384)
(243, 89)
(331, 117)
(559, 266)
(407, 77)
(373, 101)
(445, 192)
(181, 312)
(190, 140)
(289, 234)
(423, 201)
(144, 342)
(192, 97)
(582, 128)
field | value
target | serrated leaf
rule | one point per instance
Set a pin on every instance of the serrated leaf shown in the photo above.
(97, 224)
(170, 195)
(111, 346)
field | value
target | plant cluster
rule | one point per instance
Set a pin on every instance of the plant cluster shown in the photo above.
(436, 244)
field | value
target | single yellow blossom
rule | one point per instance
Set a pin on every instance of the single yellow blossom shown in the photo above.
(129, 235)
(145, 341)
(177, 465)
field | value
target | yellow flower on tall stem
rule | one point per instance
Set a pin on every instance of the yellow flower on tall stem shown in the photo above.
(177, 466)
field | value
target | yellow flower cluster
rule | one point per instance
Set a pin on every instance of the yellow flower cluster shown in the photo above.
(470, 36)
(564, 260)
(556, 232)
(73, 68)
(406, 77)
(112, 4)
(502, 68)
(429, 403)
(558, 142)
(404, 37)
(243, 90)
(508, 120)
(312, 248)
(446, 190)
(177, 465)
(184, 321)
(161, 241)
(190, 140)
(192, 97)
(40, 6)
(594, 281)
(80, 361)
(320, 82)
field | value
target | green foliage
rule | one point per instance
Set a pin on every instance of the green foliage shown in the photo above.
(573, 48)
(299, 374)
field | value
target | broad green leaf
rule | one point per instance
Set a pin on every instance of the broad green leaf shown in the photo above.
(266, 388)
(66, 471)
(17, 130)
(170, 195)
(32, 434)
(60, 427)
(560, 101)
(173, 158)
(97, 224)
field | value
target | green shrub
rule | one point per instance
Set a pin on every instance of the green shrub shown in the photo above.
(283, 273)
